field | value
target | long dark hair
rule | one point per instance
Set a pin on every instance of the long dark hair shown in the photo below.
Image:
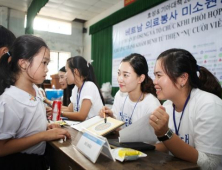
(24, 47)
(139, 64)
(7, 37)
(175, 62)
(66, 92)
(85, 70)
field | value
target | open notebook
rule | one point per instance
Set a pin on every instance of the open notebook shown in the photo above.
(98, 126)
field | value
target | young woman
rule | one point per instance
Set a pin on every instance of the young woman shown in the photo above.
(136, 96)
(67, 89)
(86, 99)
(23, 125)
(189, 122)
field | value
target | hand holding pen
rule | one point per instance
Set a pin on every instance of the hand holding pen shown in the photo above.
(104, 112)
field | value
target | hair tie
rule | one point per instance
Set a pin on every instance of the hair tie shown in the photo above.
(8, 53)
(198, 71)
(89, 62)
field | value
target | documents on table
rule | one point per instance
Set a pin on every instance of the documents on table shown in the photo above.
(139, 131)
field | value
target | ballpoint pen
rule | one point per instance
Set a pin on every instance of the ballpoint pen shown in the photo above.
(105, 117)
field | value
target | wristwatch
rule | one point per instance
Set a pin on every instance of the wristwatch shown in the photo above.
(167, 136)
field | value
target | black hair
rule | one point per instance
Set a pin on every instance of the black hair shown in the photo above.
(24, 47)
(140, 66)
(85, 70)
(67, 92)
(7, 37)
(63, 69)
(175, 62)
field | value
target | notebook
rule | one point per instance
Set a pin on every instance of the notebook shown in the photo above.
(140, 146)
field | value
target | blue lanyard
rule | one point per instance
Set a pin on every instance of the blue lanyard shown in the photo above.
(78, 97)
(174, 120)
(129, 121)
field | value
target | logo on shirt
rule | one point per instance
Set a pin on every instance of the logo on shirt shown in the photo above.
(32, 98)
(185, 138)
(125, 118)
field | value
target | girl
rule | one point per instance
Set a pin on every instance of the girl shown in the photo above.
(136, 97)
(23, 125)
(86, 99)
(189, 123)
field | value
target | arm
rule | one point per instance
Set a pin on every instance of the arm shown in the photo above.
(10, 146)
(47, 101)
(65, 108)
(82, 114)
(161, 147)
(175, 145)
(181, 149)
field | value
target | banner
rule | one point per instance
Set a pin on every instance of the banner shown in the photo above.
(194, 25)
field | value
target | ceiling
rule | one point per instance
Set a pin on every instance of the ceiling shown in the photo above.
(81, 10)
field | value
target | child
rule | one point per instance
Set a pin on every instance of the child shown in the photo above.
(189, 123)
(86, 99)
(6, 40)
(136, 97)
(23, 125)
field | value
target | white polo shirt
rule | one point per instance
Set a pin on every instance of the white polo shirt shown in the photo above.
(91, 92)
(22, 115)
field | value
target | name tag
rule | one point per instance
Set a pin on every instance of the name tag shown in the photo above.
(90, 146)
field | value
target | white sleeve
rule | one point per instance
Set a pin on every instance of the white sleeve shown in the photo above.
(207, 129)
(115, 107)
(72, 96)
(90, 92)
(208, 161)
(9, 122)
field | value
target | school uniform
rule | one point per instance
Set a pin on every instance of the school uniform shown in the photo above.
(201, 123)
(88, 91)
(128, 111)
(22, 115)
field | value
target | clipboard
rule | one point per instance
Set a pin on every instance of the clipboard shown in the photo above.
(140, 146)
(97, 125)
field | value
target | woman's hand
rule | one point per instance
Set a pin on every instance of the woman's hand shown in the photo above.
(107, 111)
(159, 121)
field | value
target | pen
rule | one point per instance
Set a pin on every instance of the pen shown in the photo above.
(104, 117)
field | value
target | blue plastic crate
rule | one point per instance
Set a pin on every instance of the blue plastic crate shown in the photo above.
(54, 94)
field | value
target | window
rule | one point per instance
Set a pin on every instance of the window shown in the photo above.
(58, 60)
(50, 25)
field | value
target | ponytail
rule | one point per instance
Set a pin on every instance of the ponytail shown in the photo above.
(208, 82)
(147, 86)
(6, 78)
